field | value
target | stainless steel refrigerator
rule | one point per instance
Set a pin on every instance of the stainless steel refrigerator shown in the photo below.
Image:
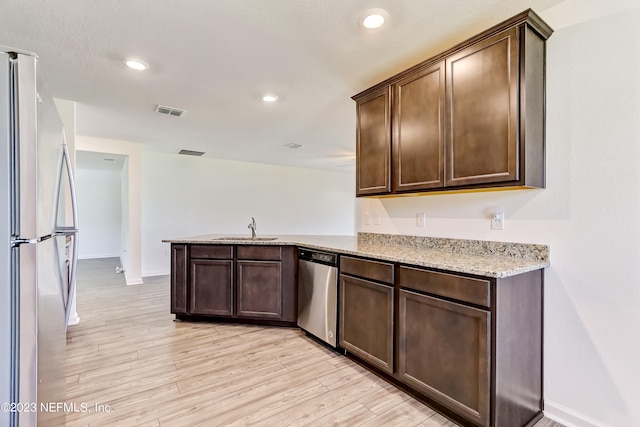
(38, 246)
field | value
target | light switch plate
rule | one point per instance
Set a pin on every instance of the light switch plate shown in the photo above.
(421, 219)
(497, 221)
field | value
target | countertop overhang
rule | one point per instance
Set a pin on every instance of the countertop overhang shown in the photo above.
(476, 257)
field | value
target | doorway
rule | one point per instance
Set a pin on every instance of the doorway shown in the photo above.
(101, 192)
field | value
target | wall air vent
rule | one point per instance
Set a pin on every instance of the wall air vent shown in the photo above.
(293, 145)
(163, 109)
(191, 153)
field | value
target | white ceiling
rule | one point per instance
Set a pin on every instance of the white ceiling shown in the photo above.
(215, 59)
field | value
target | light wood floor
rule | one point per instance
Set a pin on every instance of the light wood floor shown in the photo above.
(130, 354)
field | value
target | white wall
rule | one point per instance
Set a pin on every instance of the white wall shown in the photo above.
(67, 111)
(131, 221)
(99, 195)
(125, 229)
(165, 195)
(589, 214)
(187, 196)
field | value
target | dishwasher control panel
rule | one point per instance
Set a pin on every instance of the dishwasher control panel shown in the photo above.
(320, 257)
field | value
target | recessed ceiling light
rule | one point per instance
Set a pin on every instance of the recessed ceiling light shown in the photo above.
(373, 21)
(136, 64)
(374, 18)
(270, 97)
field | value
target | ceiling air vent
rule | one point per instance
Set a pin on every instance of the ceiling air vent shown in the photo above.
(191, 153)
(293, 145)
(163, 109)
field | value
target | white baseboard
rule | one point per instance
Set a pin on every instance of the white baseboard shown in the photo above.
(157, 273)
(99, 256)
(132, 280)
(74, 319)
(569, 417)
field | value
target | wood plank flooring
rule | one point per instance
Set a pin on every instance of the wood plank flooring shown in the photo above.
(141, 368)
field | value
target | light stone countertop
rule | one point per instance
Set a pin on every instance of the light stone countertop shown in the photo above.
(483, 258)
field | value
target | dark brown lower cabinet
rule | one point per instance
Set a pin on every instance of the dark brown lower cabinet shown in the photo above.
(259, 290)
(469, 345)
(247, 283)
(366, 321)
(179, 269)
(473, 345)
(444, 352)
(211, 287)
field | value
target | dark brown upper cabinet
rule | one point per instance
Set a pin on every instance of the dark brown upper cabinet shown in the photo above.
(472, 117)
(482, 112)
(418, 131)
(373, 143)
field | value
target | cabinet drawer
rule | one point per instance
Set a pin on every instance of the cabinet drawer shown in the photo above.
(270, 253)
(474, 291)
(374, 270)
(212, 251)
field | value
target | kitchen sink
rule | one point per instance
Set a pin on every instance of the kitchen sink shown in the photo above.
(250, 239)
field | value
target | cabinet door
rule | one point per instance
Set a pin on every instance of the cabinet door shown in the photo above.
(211, 287)
(289, 271)
(373, 144)
(366, 321)
(444, 353)
(482, 112)
(418, 130)
(259, 290)
(179, 279)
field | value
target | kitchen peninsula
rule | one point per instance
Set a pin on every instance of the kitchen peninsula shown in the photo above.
(457, 323)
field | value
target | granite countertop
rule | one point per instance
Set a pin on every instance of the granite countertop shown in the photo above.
(483, 258)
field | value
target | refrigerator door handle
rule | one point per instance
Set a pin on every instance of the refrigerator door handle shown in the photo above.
(72, 231)
(72, 183)
(65, 162)
(72, 279)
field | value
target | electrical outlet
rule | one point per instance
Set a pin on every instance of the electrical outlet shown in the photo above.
(376, 219)
(497, 221)
(367, 219)
(421, 219)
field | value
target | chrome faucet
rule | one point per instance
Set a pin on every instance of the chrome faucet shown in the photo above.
(252, 226)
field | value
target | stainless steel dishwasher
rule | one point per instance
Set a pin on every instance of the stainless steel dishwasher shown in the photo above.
(318, 294)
